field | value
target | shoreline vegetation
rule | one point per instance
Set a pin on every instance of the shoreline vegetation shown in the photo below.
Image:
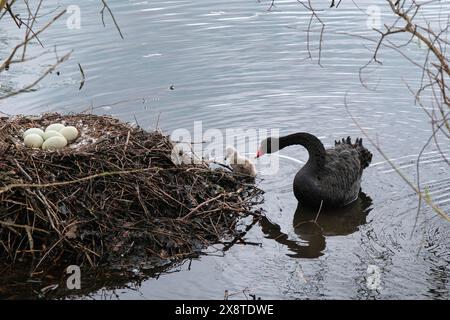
(114, 194)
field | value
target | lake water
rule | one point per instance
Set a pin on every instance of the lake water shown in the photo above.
(238, 65)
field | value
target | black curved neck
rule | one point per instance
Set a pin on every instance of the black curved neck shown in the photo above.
(314, 146)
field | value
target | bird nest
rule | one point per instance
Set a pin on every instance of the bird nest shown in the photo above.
(113, 193)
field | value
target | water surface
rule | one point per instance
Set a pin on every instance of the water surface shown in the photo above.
(238, 65)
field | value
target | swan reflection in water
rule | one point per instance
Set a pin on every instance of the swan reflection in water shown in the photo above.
(337, 222)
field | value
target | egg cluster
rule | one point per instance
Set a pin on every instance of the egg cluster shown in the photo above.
(56, 136)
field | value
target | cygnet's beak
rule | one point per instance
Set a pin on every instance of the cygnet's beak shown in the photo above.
(258, 154)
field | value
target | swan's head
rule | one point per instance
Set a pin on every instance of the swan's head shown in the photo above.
(267, 145)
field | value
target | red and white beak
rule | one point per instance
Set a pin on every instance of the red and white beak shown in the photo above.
(259, 153)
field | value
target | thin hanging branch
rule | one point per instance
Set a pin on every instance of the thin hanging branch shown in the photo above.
(105, 6)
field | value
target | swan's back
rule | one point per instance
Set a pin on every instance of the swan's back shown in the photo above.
(338, 181)
(364, 155)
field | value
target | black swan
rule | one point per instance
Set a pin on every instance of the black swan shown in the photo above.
(332, 175)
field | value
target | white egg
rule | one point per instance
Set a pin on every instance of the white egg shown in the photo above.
(54, 143)
(54, 127)
(35, 131)
(33, 140)
(69, 132)
(51, 133)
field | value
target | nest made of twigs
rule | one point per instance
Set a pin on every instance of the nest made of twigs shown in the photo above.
(114, 192)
